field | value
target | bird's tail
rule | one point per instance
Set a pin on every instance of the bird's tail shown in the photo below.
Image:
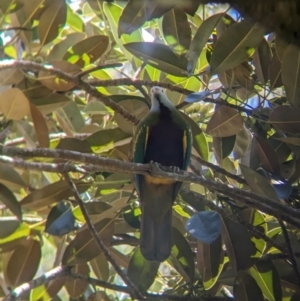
(156, 235)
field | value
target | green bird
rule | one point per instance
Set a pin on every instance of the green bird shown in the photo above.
(165, 137)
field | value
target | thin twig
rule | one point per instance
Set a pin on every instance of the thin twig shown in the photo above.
(100, 67)
(134, 292)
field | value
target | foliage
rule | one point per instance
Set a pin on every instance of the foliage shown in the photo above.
(246, 135)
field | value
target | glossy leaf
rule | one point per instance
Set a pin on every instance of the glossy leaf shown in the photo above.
(40, 126)
(76, 287)
(223, 146)
(51, 193)
(24, 263)
(177, 30)
(51, 22)
(210, 259)
(9, 200)
(87, 51)
(286, 119)
(267, 155)
(54, 83)
(159, 56)
(200, 38)
(246, 289)
(238, 244)
(14, 104)
(83, 247)
(261, 60)
(184, 257)
(141, 271)
(258, 183)
(267, 278)
(235, 45)
(225, 122)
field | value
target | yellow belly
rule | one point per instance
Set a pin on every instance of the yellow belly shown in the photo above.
(157, 181)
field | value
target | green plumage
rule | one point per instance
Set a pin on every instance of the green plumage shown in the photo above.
(162, 136)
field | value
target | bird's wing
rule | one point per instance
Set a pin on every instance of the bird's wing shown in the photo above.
(139, 148)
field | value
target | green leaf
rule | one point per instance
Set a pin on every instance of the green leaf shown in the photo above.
(199, 139)
(51, 193)
(267, 278)
(159, 56)
(87, 51)
(141, 271)
(105, 140)
(246, 289)
(200, 38)
(176, 30)
(51, 22)
(182, 256)
(235, 45)
(9, 200)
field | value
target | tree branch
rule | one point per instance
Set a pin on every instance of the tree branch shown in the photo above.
(251, 199)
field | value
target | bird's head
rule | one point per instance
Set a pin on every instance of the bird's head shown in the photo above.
(159, 99)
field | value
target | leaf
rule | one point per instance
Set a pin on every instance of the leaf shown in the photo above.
(286, 119)
(245, 288)
(261, 61)
(106, 140)
(182, 256)
(113, 13)
(9, 200)
(258, 183)
(83, 247)
(14, 104)
(291, 74)
(199, 139)
(55, 83)
(241, 144)
(51, 22)
(87, 51)
(11, 77)
(24, 263)
(223, 146)
(8, 226)
(135, 107)
(141, 271)
(58, 51)
(133, 16)
(70, 118)
(100, 267)
(60, 220)
(11, 178)
(200, 38)
(205, 226)
(267, 278)
(267, 155)
(51, 193)
(239, 246)
(235, 45)
(159, 56)
(210, 259)
(225, 122)
(176, 30)
(76, 287)
(131, 216)
(40, 126)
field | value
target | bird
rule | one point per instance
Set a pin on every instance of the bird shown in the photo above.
(163, 136)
